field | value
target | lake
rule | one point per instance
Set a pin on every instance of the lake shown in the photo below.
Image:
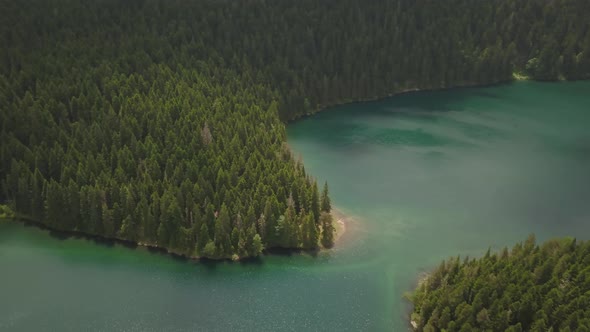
(423, 176)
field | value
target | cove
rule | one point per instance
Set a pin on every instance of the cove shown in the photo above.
(424, 176)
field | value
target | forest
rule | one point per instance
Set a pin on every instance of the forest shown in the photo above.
(529, 288)
(163, 122)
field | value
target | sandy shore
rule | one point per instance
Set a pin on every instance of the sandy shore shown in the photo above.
(341, 224)
(422, 278)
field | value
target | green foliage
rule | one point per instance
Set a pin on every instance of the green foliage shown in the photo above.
(6, 212)
(210, 250)
(257, 245)
(310, 232)
(326, 205)
(327, 230)
(530, 288)
(141, 119)
(116, 122)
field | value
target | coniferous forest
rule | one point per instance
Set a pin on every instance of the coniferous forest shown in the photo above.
(162, 122)
(529, 288)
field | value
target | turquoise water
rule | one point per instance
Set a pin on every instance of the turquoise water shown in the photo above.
(435, 174)
(424, 176)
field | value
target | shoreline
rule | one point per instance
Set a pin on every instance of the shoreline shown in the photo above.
(339, 224)
(338, 217)
(327, 107)
(28, 222)
(516, 77)
(420, 280)
(340, 221)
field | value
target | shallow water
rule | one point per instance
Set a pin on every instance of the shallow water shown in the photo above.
(425, 176)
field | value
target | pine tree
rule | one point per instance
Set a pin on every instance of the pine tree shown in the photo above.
(315, 202)
(261, 227)
(222, 233)
(310, 234)
(327, 230)
(210, 251)
(202, 238)
(257, 245)
(325, 200)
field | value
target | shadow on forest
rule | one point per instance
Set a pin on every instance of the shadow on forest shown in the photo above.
(288, 252)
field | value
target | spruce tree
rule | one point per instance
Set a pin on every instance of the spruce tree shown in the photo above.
(257, 245)
(315, 202)
(222, 233)
(325, 200)
(327, 230)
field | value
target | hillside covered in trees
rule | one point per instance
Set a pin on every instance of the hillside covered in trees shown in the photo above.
(529, 288)
(161, 122)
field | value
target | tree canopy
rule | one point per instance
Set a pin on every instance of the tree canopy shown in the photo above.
(528, 288)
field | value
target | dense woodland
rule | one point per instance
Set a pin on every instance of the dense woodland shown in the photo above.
(530, 288)
(161, 121)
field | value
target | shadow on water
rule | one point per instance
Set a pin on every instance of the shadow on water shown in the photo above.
(181, 259)
(163, 252)
(96, 240)
(425, 104)
(252, 261)
(289, 252)
(441, 100)
(428, 100)
(207, 263)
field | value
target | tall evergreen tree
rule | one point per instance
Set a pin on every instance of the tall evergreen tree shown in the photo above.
(326, 206)
(327, 230)
(222, 233)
